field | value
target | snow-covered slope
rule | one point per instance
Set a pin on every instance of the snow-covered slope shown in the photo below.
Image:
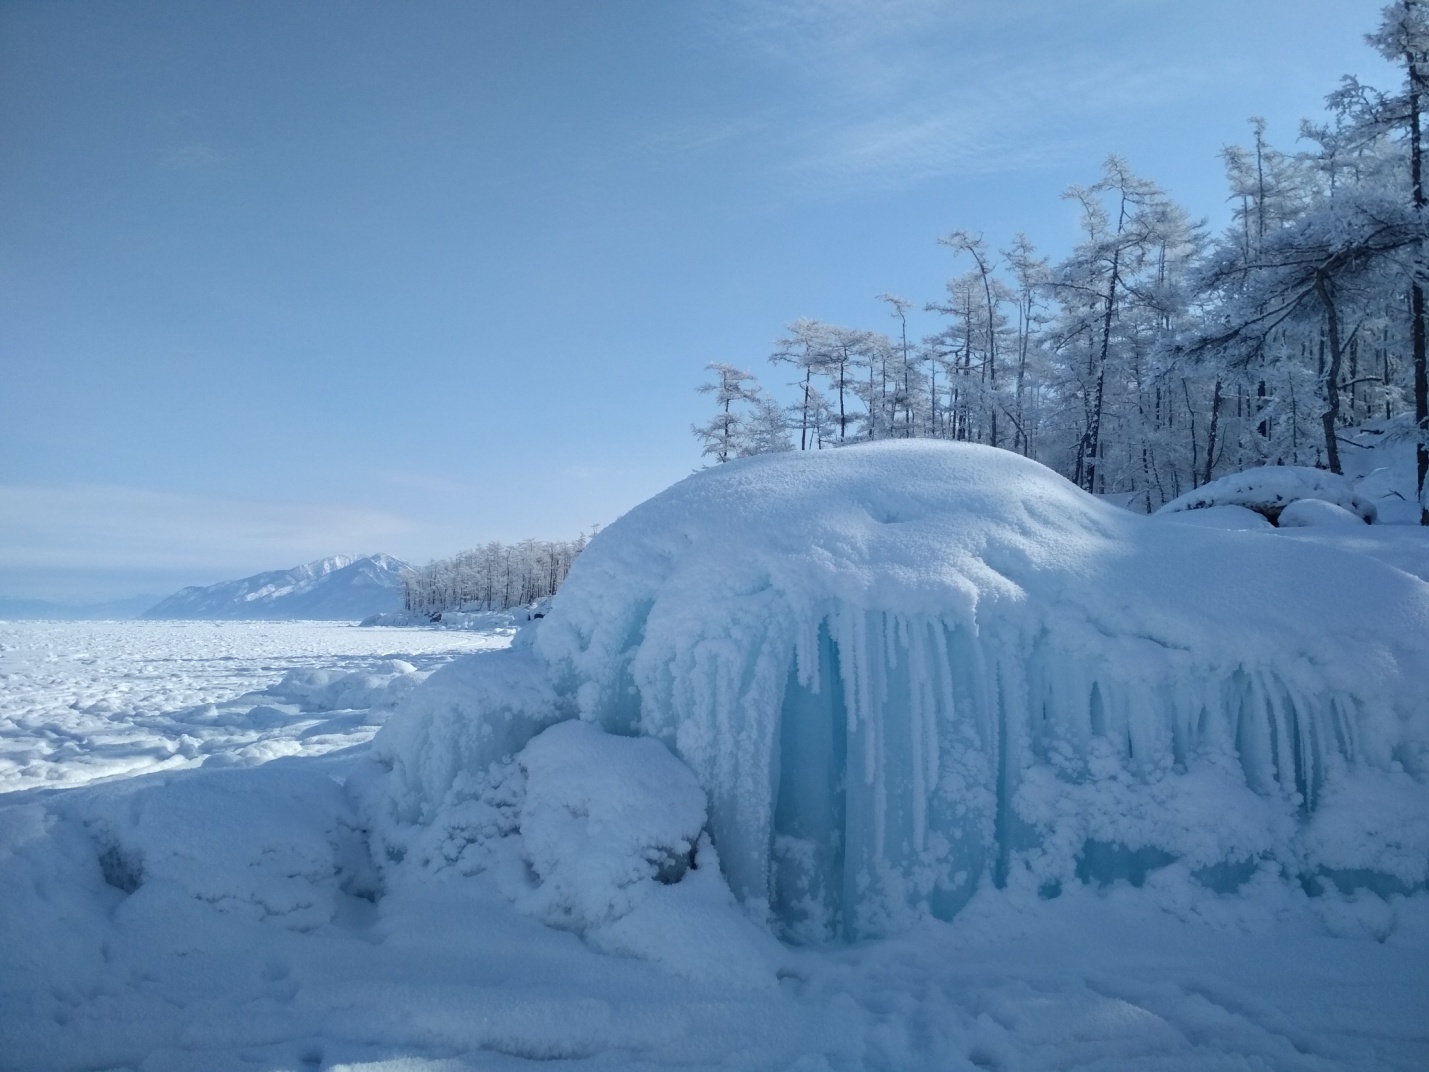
(338, 588)
(908, 671)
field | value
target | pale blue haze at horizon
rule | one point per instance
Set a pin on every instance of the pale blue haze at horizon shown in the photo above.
(286, 280)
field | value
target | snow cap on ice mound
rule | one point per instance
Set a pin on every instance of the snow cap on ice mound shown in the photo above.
(903, 670)
(1269, 489)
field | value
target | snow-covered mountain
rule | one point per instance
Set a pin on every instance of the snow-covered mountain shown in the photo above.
(336, 588)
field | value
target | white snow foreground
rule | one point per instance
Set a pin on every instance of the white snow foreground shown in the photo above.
(904, 672)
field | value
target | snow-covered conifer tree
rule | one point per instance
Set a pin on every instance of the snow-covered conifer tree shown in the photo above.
(723, 433)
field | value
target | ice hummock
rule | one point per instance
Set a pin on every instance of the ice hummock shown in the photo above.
(907, 671)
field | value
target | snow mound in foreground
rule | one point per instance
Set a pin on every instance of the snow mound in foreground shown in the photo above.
(1269, 489)
(904, 671)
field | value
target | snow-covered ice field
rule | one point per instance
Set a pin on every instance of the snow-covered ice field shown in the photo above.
(208, 863)
(81, 701)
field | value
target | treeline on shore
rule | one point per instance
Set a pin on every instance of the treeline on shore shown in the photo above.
(495, 576)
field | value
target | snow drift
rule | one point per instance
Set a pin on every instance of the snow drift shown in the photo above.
(906, 671)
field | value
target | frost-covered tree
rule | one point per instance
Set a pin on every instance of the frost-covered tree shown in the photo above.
(1029, 274)
(722, 434)
(1115, 295)
(1151, 359)
(991, 323)
(903, 400)
(495, 576)
(765, 428)
(804, 348)
(1403, 37)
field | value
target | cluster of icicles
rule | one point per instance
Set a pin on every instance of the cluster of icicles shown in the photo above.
(880, 769)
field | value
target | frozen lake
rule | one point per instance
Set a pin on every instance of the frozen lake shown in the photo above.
(81, 701)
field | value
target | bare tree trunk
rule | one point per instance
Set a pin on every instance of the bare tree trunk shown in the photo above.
(991, 343)
(1421, 374)
(1191, 413)
(1094, 431)
(1421, 401)
(1330, 418)
(1024, 316)
(1211, 435)
(804, 415)
(843, 417)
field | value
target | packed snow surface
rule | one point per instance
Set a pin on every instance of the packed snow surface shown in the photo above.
(1178, 767)
(339, 588)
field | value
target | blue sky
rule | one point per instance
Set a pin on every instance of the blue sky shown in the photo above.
(279, 280)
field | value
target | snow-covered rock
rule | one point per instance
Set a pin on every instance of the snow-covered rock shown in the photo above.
(331, 589)
(603, 820)
(1269, 489)
(907, 671)
(1308, 513)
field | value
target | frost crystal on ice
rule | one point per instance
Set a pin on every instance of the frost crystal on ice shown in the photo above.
(904, 671)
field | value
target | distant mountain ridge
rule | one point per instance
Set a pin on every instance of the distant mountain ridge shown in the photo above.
(339, 588)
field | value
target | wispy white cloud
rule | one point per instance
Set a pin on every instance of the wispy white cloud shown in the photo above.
(190, 157)
(1012, 116)
(888, 93)
(426, 484)
(675, 142)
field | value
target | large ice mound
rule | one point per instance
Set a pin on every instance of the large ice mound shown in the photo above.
(905, 671)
